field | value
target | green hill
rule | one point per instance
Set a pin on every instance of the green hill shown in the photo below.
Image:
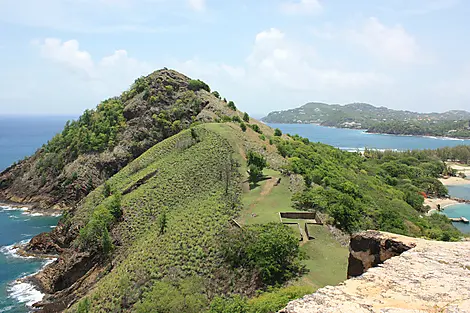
(192, 224)
(377, 119)
(104, 140)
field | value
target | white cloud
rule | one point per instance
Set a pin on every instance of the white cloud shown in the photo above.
(391, 43)
(297, 66)
(301, 7)
(67, 53)
(106, 77)
(197, 5)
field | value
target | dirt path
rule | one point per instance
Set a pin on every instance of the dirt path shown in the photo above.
(268, 186)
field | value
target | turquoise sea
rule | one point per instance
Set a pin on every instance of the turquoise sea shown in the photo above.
(19, 137)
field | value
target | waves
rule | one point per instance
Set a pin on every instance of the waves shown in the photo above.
(21, 291)
(26, 211)
(25, 293)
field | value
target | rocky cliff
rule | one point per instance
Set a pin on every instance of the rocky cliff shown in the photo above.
(401, 274)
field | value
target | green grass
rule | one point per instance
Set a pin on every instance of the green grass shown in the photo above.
(327, 259)
(189, 186)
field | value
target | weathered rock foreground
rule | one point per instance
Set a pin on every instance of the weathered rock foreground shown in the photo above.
(427, 276)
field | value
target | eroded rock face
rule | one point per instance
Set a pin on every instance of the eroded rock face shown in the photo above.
(369, 249)
(427, 276)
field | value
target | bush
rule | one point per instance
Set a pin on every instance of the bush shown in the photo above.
(272, 250)
(256, 128)
(196, 85)
(276, 300)
(277, 132)
(235, 304)
(232, 106)
(186, 296)
(246, 117)
(236, 119)
(243, 126)
(216, 94)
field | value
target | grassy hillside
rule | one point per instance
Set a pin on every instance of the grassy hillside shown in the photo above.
(189, 187)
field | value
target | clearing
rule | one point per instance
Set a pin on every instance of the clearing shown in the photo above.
(327, 259)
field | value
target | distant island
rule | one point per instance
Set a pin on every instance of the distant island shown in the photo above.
(454, 124)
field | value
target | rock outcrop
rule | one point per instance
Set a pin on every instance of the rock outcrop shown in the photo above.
(424, 276)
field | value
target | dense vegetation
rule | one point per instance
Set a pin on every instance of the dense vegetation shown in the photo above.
(378, 120)
(380, 190)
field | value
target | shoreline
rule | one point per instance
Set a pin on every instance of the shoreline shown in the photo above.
(24, 289)
(28, 209)
(365, 130)
(454, 181)
(434, 202)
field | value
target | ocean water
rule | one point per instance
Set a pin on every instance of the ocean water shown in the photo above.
(18, 227)
(352, 139)
(19, 137)
(22, 136)
(459, 210)
(461, 191)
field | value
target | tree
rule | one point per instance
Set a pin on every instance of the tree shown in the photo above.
(257, 159)
(232, 106)
(243, 126)
(272, 250)
(162, 222)
(196, 85)
(256, 163)
(256, 128)
(216, 94)
(277, 132)
(254, 173)
(246, 117)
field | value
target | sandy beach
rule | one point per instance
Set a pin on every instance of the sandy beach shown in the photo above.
(443, 202)
(454, 181)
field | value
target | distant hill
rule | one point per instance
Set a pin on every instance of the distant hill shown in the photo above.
(453, 123)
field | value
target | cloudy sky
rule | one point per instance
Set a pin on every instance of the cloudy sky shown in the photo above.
(63, 56)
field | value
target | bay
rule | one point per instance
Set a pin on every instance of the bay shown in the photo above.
(353, 139)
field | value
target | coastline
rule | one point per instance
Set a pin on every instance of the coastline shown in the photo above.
(442, 202)
(365, 130)
(29, 209)
(23, 289)
(454, 181)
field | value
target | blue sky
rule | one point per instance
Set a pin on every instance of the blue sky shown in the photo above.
(64, 56)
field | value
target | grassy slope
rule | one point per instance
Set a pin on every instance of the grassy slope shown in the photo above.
(188, 187)
(327, 259)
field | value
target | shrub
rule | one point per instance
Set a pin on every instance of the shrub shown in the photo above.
(262, 137)
(226, 119)
(236, 119)
(196, 85)
(277, 132)
(235, 304)
(272, 250)
(216, 94)
(243, 126)
(246, 117)
(232, 106)
(256, 128)
(186, 296)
